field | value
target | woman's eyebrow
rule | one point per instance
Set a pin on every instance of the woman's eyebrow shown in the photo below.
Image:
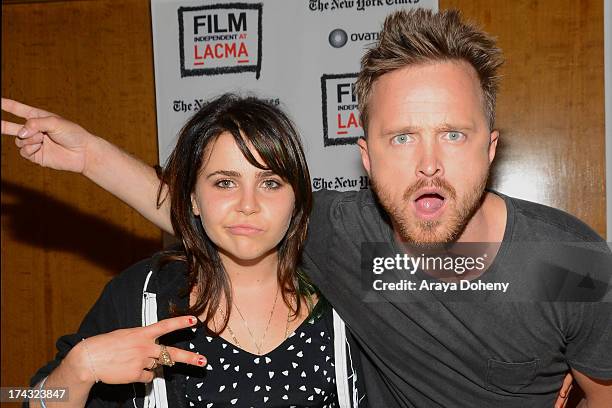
(228, 173)
(265, 173)
(232, 173)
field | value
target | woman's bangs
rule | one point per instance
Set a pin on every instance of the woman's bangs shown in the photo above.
(270, 148)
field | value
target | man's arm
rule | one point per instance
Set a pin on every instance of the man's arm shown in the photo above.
(129, 179)
(597, 393)
(50, 141)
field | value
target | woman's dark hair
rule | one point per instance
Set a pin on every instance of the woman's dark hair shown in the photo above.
(252, 122)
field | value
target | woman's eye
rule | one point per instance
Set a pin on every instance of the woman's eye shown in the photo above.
(271, 184)
(400, 139)
(454, 136)
(225, 183)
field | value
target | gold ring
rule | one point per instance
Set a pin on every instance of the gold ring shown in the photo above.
(164, 357)
(154, 365)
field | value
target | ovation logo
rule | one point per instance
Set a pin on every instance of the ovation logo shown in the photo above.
(338, 37)
(220, 38)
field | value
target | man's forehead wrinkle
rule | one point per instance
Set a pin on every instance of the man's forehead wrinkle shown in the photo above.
(426, 118)
(429, 99)
(467, 78)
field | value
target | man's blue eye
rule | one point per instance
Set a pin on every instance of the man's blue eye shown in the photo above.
(454, 136)
(400, 139)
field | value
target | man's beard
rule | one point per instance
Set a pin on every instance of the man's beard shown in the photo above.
(428, 232)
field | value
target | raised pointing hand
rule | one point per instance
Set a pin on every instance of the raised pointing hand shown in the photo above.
(47, 139)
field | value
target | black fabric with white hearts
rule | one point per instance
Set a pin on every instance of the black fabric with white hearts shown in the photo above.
(299, 372)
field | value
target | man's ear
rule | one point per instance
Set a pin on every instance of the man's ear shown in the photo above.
(194, 205)
(493, 138)
(365, 157)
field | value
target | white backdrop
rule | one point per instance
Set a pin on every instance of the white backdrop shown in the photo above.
(302, 54)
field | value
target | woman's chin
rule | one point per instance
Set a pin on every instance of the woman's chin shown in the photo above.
(248, 255)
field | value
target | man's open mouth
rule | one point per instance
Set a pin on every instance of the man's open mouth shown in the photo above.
(429, 203)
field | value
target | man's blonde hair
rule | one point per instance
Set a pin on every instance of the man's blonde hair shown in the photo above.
(420, 36)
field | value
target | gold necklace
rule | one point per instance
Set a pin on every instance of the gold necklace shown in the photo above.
(257, 346)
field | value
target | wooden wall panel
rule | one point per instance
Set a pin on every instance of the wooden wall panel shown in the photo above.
(551, 106)
(62, 237)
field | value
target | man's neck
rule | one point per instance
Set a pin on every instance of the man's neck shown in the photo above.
(488, 223)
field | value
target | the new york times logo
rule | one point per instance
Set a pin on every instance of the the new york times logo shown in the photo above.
(341, 123)
(220, 38)
(359, 5)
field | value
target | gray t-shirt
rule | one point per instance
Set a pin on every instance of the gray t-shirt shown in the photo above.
(497, 350)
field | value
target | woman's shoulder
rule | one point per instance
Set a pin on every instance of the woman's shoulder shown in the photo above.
(321, 306)
(321, 313)
(159, 270)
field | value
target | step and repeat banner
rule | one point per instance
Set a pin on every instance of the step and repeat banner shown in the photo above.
(302, 55)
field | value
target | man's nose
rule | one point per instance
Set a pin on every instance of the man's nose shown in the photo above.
(430, 163)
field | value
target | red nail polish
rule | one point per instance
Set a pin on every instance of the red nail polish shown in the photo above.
(192, 320)
(201, 361)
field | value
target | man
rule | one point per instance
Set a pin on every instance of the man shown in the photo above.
(427, 101)
(426, 93)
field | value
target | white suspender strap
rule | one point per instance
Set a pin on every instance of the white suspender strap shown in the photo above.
(155, 395)
(342, 385)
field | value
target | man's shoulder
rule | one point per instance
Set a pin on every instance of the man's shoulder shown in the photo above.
(331, 201)
(543, 221)
(350, 214)
(339, 222)
(328, 198)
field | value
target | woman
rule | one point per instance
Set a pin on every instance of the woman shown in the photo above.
(239, 194)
